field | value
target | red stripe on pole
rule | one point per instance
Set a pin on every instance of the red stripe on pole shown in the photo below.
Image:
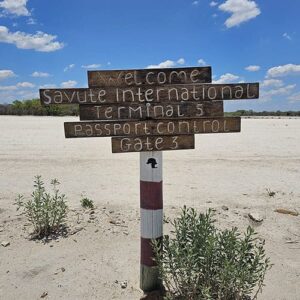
(147, 253)
(151, 195)
(151, 203)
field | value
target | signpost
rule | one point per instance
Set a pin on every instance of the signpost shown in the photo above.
(149, 111)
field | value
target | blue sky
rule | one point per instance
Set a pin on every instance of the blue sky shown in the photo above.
(53, 43)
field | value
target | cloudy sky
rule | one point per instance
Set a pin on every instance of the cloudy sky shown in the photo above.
(53, 43)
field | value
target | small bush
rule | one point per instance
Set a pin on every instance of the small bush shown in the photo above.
(270, 193)
(203, 262)
(86, 202)
(44, 211)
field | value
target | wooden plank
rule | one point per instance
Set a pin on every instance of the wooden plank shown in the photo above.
(152, 143)
(152, 127)
(137, 111)
(118, 78)
(153, 94)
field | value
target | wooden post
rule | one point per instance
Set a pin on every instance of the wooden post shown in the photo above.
(151, 196)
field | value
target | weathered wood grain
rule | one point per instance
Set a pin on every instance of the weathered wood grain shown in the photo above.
(152, 127)
(118, 78)
(151, 111)
(151, 94)
(152, 143)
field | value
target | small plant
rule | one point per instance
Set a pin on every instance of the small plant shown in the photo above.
(86, 202)
(270, 193)
(45, 211)
(203, 262)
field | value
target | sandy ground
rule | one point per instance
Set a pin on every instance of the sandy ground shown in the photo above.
(225, 169)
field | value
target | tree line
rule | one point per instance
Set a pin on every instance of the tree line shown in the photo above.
(33, 107)
(249, 113)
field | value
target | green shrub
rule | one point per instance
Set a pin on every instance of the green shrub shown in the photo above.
(45, 211)
(86, 202)
(203, 262)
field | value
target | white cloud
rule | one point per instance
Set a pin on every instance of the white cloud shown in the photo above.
(195, 3)
(201, 62)
(92, 66)
(287, 36)
(294, 98)
(252, 68)
(167, 64)
(48, 86)
(213, 3)
(284, 70)
(4, 74)
(40, 74)
(277, 92)
(39, 41)
(181, 61)
(7, 96)
(241, 11)
(68, 84)
(25, 84)
(226, 78)
(272, 82)
(8, 88)
(15, 7)
(69, 67)
(31, 21)
(18, 86)
(25, 94)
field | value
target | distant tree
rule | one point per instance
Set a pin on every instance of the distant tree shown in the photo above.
(34, 107)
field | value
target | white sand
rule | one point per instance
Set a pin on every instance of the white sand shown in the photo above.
(225, 169)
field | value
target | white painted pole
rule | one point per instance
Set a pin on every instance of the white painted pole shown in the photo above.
(151, 203)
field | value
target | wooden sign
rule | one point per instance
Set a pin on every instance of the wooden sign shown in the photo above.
(152, 127)
(150, 111)
(153, 94)
(146, 111)
(118, 78)
(152, 143)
